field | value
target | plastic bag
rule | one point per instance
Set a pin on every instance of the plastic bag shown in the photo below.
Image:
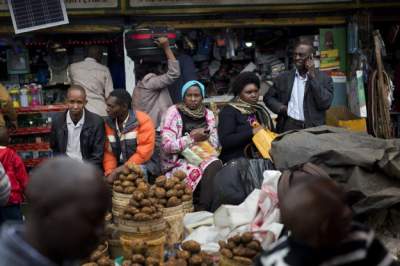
(251, 173)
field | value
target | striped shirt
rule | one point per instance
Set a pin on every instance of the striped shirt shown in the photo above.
(5, 187)
(360, 248)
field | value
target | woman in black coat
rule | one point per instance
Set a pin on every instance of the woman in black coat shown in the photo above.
(237, 119)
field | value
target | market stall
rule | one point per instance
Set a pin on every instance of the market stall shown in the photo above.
(33, 67)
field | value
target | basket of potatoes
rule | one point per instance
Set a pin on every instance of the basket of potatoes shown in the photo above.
(239, 250)
(170, 193)
(190, 254)
(142, 253)
(129, 180)
(99, 257)
(143, 206)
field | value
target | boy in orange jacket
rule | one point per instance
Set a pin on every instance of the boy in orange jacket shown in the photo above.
(130, 135)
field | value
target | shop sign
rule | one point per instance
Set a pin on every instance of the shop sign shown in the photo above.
(3, 5)
(183, 3)
(90, 4)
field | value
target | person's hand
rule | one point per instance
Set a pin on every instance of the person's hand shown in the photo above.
(256, 130)
(310, 67)
(163, 42)
(200, 134)
(283, 110)
(114, 174)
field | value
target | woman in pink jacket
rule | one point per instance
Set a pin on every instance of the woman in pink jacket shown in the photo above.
(183, 126)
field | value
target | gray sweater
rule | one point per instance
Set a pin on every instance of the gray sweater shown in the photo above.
(151, 94)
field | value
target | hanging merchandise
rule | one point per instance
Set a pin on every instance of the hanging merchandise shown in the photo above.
(352, 37)
(378, 95)
(58, 63)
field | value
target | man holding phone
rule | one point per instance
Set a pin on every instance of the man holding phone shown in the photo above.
(301, 96)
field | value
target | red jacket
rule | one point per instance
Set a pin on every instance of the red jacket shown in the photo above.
(16, 172)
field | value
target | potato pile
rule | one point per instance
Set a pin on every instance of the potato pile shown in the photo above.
(171, 192)
(143, 206)
(191, 255)
(242, 248)
(140, 256)
(99, 258)
(129, 179)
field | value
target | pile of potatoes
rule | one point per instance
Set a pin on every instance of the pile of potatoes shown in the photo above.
(140, 256)
(143, 206)
(129, 179)
(190, 255)
(241, 248)
(171, 192)
(99, 258)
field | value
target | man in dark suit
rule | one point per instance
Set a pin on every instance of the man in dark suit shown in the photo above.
(301, 96)
(78, 133)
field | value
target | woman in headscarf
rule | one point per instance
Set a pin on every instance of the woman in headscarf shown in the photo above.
(237, 119)
(184, 125)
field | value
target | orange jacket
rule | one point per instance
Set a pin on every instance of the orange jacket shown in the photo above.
(144, 134)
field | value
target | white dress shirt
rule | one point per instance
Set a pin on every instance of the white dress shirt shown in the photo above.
(295, 106)
(96, 80)
(74, 137)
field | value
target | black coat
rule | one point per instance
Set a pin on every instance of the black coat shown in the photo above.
(92, 137)
(234, 132)
(317, 98)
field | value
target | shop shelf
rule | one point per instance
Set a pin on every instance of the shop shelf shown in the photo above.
(45, 146)
(30, 131)
(42, 109)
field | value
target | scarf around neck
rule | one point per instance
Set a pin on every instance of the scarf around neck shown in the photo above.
(196, 114)
(247, 109)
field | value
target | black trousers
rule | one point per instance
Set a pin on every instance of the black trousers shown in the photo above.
(202, 197)
(292, 124)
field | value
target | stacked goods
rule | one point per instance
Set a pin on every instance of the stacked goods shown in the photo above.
(239, 250)
(190, 254)
(143, 205)
(129, 180)
(141, 256)
(142, 221)
(99, 257)
(170, 193)
(173, 191)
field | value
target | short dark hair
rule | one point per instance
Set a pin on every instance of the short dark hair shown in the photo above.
(305, 42)
(123, 97)
(244, 79)
(78, 88)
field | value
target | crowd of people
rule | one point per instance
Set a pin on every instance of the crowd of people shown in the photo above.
(155, 128)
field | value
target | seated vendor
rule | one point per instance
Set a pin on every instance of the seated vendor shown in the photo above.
(235, 128)
(322, 231)
(184, 125)
(130, 135)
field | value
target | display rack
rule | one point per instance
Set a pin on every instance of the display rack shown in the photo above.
(32, 143)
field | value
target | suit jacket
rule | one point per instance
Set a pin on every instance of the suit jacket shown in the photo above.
(318, 97)
(92, 137)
